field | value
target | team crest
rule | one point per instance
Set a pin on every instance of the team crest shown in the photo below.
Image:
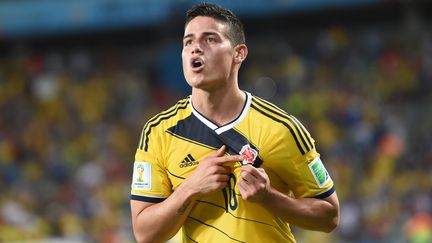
(249, 154)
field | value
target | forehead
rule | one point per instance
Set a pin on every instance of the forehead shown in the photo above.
(201, 24)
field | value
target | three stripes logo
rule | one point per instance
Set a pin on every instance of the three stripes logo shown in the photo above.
(188, 161)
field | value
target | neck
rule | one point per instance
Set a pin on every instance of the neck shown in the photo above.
(220, 106)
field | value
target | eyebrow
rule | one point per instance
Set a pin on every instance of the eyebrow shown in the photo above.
(204, 34)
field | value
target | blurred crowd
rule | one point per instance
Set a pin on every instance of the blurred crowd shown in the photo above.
(365, 94)
(70, 120)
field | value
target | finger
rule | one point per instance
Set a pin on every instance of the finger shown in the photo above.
(227, 169)
(218, 153)
(256, 172)
(227, 160)
(220, 170)
(221, 151)
(244, 189)
(222, 178)
(242, 186)
(248, 178)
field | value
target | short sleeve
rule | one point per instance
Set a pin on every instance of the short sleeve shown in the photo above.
(150, 182)
(301, 169)
(308, 176)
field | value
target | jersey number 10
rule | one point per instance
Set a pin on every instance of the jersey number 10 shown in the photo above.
(229, 194)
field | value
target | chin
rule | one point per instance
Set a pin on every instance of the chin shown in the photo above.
(200, 82)
(197, 82)
(198, 85)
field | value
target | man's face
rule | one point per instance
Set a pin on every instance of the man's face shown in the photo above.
(208, 55)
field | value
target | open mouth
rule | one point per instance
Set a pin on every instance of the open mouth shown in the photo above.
(197, 63)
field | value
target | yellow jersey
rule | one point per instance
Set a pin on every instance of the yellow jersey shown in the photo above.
(174, 141)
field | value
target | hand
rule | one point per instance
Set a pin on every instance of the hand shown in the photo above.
(212, 173)
(254, 184)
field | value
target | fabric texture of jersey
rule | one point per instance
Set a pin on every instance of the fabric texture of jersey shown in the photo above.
(174, 141)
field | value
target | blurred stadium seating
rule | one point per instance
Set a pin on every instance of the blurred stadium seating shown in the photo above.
(73, 101)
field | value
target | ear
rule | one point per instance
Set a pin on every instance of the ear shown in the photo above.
(241, 52)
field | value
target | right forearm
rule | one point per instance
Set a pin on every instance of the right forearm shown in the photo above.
(161, 221)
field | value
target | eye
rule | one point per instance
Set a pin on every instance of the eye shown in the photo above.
(211, 39)
(187, 42)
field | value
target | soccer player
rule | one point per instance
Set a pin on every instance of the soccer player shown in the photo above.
(223, 164)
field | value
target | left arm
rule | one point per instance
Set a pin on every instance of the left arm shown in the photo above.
(307, 213)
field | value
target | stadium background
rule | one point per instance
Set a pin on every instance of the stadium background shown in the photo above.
(78, 79)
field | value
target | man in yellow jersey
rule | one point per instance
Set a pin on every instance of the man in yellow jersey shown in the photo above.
(222, 164)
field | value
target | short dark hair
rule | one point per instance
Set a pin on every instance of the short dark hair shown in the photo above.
(235, 27)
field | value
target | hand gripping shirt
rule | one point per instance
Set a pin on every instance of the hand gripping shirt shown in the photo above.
(174, 141)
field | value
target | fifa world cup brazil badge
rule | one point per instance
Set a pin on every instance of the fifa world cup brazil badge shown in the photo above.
(141, 176)
(249, 154)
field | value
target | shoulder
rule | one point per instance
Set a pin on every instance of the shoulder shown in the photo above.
(273, 113)
(287, 126)
(160, 122)
(172, 113)
(266, 107)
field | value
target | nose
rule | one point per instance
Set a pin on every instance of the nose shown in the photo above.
(196, 48)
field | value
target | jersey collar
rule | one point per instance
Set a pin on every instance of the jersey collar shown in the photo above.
(228, 126)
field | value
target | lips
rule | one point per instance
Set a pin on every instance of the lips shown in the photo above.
(197, 64)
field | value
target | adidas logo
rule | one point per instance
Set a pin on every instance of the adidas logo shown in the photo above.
(188, 161)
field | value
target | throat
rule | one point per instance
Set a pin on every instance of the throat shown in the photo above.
(220, 111)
